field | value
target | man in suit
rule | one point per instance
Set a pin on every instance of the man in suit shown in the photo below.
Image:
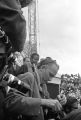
(14, 104)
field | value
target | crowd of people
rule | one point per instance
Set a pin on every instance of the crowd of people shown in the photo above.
(23, 81)
(25, 87)
(71, 84)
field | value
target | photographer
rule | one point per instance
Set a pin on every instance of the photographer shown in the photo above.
(15, 104)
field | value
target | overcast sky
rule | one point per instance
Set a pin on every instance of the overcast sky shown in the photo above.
(60, 33)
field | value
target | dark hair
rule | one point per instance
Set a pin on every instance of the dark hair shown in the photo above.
(71, 100)
(33, 54)
(69, 104)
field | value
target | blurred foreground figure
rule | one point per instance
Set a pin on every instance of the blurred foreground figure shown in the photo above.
(13, 22)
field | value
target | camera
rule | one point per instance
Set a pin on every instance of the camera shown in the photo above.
(16, 83)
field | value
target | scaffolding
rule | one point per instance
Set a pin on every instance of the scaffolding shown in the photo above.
(32, 27)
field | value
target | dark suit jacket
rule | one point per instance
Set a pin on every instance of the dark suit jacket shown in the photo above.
(13, 23)
(74, 115)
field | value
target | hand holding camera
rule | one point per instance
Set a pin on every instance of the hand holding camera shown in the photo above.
(62, 99)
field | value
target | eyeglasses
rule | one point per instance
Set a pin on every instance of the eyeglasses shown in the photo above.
(51, 74)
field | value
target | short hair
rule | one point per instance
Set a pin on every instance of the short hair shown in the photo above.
(47, 61)
(69, 104)
(71, 100)
(33, 54)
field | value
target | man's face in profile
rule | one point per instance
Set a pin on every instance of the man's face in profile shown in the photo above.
(52, 70)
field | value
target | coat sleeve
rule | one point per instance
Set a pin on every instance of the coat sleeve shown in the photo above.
(20, 104)
(13, 23)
